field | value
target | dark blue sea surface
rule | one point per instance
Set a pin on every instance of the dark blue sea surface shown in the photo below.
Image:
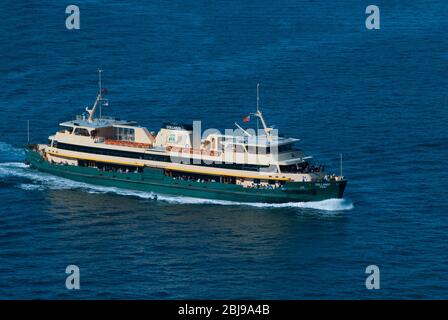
(379, 97)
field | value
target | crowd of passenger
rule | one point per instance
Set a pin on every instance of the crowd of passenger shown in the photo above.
(253, 185)
(117, 170)
(328, 177)
(263, 186)
(304, 167)
(189, 178)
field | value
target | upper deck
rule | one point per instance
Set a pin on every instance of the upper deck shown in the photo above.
(106, 135)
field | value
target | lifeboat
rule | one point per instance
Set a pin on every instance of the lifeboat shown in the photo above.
(127, 144)
(193, 151)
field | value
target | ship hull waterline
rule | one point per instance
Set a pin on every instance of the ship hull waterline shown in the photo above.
(153, 180)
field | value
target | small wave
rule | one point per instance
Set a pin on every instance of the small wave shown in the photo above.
(46, 181)
(13, 165)
(28, 186)
(21, 170)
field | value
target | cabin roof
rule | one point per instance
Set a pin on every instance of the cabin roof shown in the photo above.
(98, 123)
(261, 140)
(177, 126)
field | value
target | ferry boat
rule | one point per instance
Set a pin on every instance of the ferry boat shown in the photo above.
(243, 167)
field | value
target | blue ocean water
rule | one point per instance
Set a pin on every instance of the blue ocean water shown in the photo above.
(379, 97)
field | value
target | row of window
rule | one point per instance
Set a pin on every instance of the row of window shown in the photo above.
(153, 157)
(264, 150)
(111, 152)
(126, 134)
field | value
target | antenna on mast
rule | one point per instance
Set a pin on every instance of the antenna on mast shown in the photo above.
(258, 103)
(99, 80)
(100, 89)
(28, 130)
(341, 164)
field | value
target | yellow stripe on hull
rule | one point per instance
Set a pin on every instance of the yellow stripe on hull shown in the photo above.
(96, 159)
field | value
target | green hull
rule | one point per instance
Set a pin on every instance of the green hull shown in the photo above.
(153, 180)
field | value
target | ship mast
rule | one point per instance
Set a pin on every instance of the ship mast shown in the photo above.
(99, 99)
(267, 130)
(259, 115)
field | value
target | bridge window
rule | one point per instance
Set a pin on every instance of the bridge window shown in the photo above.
(82, 132)
(284, 148)
(264, 150)
(65, 129)
(124, 134)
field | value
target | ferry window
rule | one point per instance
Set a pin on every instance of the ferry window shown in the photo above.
(126, 134)
(66, 130)
(285, 147)
(292, 168)
(239, 148)
(264, 150)
(230, 148)
(251, 149)
(52, 143)
(171, 138)
(220, 144)
(129, 134)
(82, 132)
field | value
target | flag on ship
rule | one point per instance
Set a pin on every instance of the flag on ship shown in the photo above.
(246, 119)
